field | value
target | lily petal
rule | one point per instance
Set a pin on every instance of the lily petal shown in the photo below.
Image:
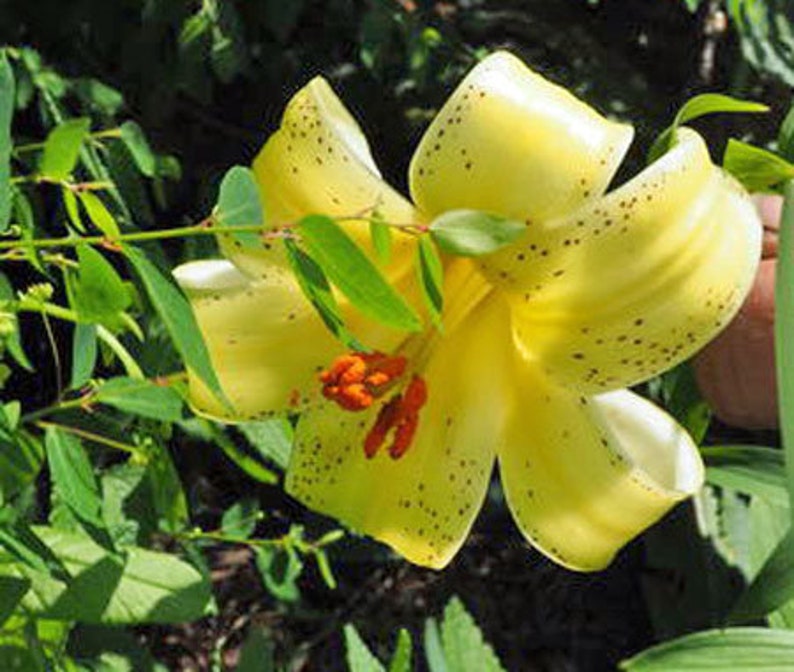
(423, 503)
(265, 341)
(584, 476)
(319, 162)
(512, 143)
(638, 281)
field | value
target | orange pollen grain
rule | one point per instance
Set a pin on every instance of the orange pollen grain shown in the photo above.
(354, 380)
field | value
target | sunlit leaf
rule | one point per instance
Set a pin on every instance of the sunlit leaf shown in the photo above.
(141, 397)
(359, 657)
(354, 274)
(464, 646)
(431, 278)
(380, 233)
(240, 204)
(471, 233)
(279, 569)
(272, 439)
(134, 139)
(97, 292)
(403, 653)
(240, 519)
(753, 470)
(84, 354)
(12, 590)
(62, 148)
(757, 169)
(98, 214)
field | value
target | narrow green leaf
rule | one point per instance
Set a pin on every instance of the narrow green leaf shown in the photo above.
(317, 290)
(84, 354)
(354, 274)
(784, 334)
(141, 587)
(62, 148)
(177, 316)
(6, 117)
(464, 646)
(240, 204)
(434, 651)
(23, 214)
(24, 545)
(272, 439)
(757, 169)
(141, 397)
(470, 233)
(75, 483)
(70, 204)
(240, 519)
(699, 106)
(359, 657)
(12, 590)
(431, 278)
(380, 233)
(12, 340)
(324, 566)
(97, 292)
(730, 650)
(785, 137)
(403, 653)
(237, 454)
(280, 569)
(98, 214)
(752, 470)
(135, 141)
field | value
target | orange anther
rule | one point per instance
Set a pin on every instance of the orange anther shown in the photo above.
(355, 379)
(403, 436)
(383, 424)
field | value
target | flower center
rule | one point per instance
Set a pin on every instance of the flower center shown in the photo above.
(356, 379)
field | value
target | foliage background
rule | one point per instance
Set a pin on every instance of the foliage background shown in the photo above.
(207, 82)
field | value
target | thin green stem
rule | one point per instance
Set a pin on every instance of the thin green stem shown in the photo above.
(127, 360)
(784, 333)
(95, 438)
(57, 407)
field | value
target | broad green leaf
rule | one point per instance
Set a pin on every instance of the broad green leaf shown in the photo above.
(757, 169)
(434, 651)
(280, 568)
(18, 657)
(431, 278)
(6, 117)
(84, 354)
(354, 274)
(753, 470)
(380, 233)
(62, 148)
(315, 287)
(165, 487)
(97, 292)
(699, 106)
(12, 590)
(75, 483)
(470, 233)
(464, 647)
(785, 137)
(784, 335)
(21, 457)
(135, 141)
(240, 204)
(359, 657)
(177, 316)
(729, 650)
(256, 654)
(98, 214)
(142, 587)
(141, 397)
(403, 653)
(21, 544)
(272, 439)
(128, 507)
(240, 519)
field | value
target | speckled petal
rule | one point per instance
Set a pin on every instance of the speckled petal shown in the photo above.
(632, 284)
(318, 162)
(265, 341)
(583, 476)
(423, 503)
(512, 143)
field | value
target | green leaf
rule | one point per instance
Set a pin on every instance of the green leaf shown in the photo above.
(272, 439)
(784, 335)
(75, 483)
(237, 454)
(141, 397)
(324, 567)
(84, 354)
(142, 587)
(165, 486)
(62, 149)
(240, 519)
(431, 278)
(785, 137)
(6, 117)
(729, 650)
(21, 457)
(12, 590)
(256, 654)
(403, 653)
(279, 568)
(177, 316)
(470, 233)
(12, 340)
(317, 290)
(464, 647)
(753, 470)
(21, 544)
(240, 204)
(97, 292)
(109, 649)
(380, 233)
(135, 141)
(757, 169)
(98, 214)
(699, 106)
(359, 657)
(354, 274)
(684, 401)
(434, 652)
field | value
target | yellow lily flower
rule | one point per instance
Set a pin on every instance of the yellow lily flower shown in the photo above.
(600, 292)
